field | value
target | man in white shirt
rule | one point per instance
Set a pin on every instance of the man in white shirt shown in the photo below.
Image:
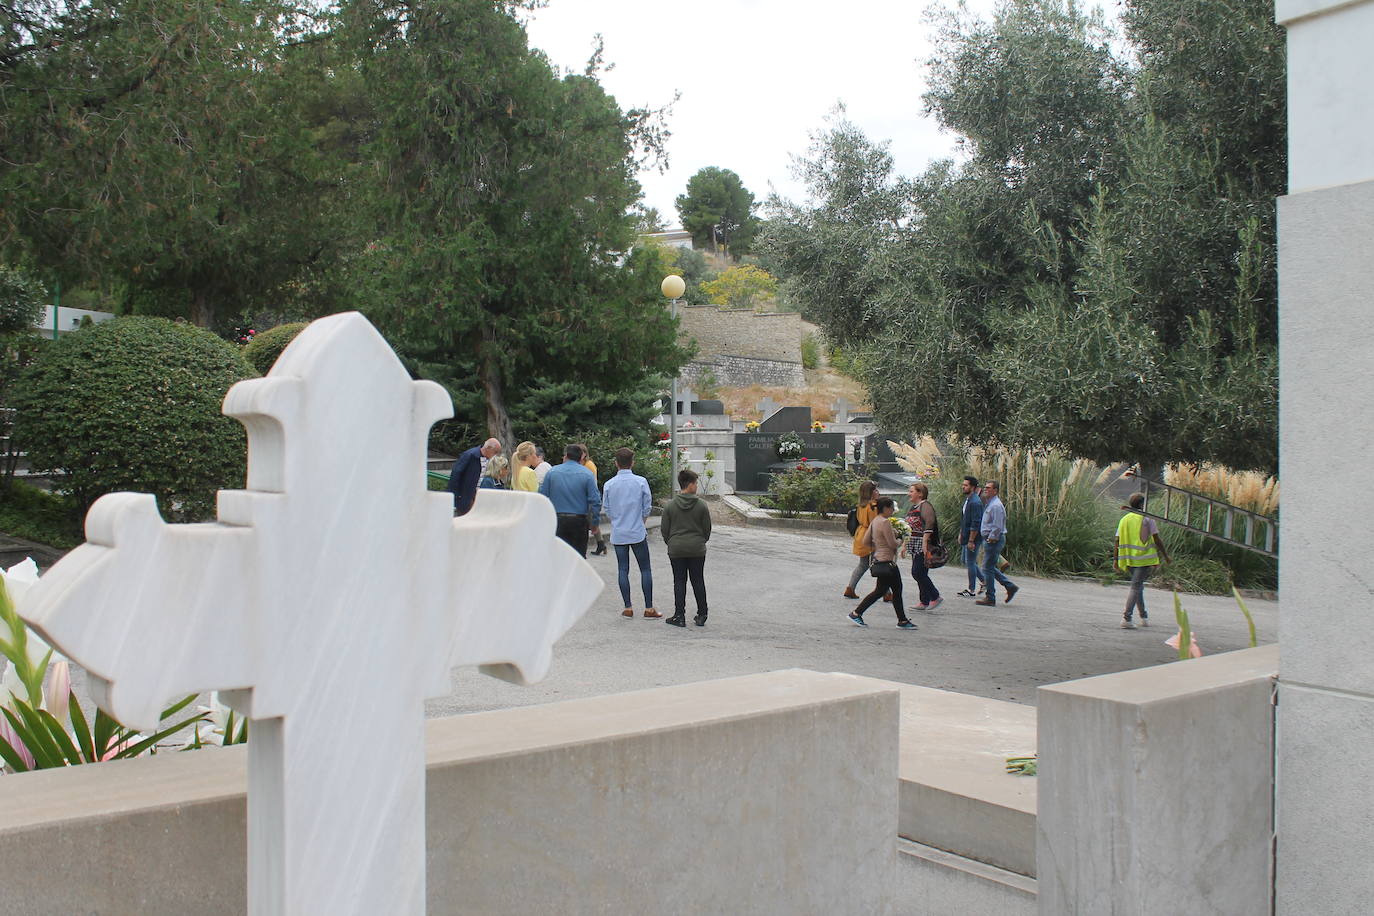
(543, 467)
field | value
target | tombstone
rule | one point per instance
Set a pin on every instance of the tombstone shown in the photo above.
(709, 408)
(787, 420)
(330, 599)
(766, 407)
(841, 408)
(685, 397)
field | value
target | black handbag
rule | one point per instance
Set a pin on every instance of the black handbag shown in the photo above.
(882, 568)
(939, 553)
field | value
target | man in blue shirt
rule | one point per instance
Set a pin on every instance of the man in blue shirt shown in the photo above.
(994, 531)
(572, 490)
(467, 470)
(970, 533)
(628, 502)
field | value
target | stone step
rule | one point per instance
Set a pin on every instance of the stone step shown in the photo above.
(930, 880)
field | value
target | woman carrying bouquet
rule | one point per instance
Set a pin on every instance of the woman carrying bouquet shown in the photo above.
(865, 513)
(883, 540)
(921, 518)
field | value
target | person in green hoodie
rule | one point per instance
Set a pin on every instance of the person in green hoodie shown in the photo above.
(686, 527)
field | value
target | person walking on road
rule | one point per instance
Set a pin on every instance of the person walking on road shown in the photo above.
(970, 521)
(627, 501)
(864, 513)
(994, 531)
(572, 490)
(1137, 548)
(886, 573)
(686, 527)
(920, 518)
(467, 471)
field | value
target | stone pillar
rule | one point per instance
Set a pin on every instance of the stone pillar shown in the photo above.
(1326, 301)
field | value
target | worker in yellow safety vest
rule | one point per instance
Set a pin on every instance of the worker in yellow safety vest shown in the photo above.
(1137, 549)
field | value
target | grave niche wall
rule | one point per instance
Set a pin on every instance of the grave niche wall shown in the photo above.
(754, 452)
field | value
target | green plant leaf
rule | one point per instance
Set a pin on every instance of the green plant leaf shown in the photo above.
(134, 750)
(81, 728)
(176, 707)
(1254, 638)
(12, 757)
(1185, 631)
(34, 734)
(60, 737)
(105, 731)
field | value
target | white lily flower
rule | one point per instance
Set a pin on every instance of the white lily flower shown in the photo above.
(11, 687)
(57, 693)
(19, 577)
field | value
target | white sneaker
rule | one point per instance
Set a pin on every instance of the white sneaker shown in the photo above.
(1144, 621)
(1126, 624)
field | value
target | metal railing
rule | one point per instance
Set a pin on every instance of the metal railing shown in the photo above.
(1211, 518)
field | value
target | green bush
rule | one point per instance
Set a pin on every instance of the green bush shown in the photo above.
(810, 351)
(807, 488)
(262, 351)
(30, 513)
(134, 404)
(21, 300)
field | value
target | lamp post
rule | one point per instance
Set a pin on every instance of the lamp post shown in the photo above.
(673, 287)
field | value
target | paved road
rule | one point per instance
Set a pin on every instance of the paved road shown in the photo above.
(775, 603)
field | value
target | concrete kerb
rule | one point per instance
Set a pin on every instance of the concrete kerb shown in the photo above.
(771, 518)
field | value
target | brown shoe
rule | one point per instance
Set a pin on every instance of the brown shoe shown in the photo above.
(888, 597)
(850, 593)
(651, 614)
(986, 602)
(628, 612)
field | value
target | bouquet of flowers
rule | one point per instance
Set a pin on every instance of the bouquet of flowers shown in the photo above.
(817, 426)
(752, 426)
(899, 528)
(790, 446)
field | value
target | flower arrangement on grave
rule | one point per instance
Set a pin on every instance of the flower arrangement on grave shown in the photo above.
(899, 528)
(790, 446)
(664, 439)
(817, 426)
(36, 695)
(752, 426)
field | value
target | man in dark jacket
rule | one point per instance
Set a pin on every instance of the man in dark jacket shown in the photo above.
(467, 470)
(969, 536)
(686, 527)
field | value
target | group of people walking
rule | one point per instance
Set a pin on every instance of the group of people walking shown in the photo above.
(983, 521)
(578, 506)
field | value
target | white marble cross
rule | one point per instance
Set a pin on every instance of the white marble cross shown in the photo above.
(685, 397)
(332, 597)
(766, 407)
(841, 408)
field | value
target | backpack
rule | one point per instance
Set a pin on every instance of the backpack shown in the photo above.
(851, 522)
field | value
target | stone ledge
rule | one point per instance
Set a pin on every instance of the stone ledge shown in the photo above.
(955, 793)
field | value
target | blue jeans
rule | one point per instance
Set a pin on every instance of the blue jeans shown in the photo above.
(992, 552)
(646, 575)
(975, 575)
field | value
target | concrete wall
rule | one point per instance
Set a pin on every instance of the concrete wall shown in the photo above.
(1156, 789)
(772, 793)
(739, 371)
(1326, 299)
(742, 332)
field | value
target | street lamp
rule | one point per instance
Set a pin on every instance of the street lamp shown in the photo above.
(673, 287)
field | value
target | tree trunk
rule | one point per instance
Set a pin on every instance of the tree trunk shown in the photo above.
(498, 421)
(202, 309)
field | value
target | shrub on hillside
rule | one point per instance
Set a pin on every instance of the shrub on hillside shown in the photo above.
(262, 351)
(134, 404)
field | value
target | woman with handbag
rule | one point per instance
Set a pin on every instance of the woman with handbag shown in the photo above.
(864, 514)
(925, 529)
(883, 540)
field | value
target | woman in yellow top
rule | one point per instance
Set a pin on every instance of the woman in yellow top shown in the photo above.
(863, 549)
(594, 528)
(525, 460)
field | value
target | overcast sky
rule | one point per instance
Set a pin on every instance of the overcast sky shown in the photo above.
(757, 77)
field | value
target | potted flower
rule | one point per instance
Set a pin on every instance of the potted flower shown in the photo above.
(817, 426)
(752, 426)
(790, 446)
